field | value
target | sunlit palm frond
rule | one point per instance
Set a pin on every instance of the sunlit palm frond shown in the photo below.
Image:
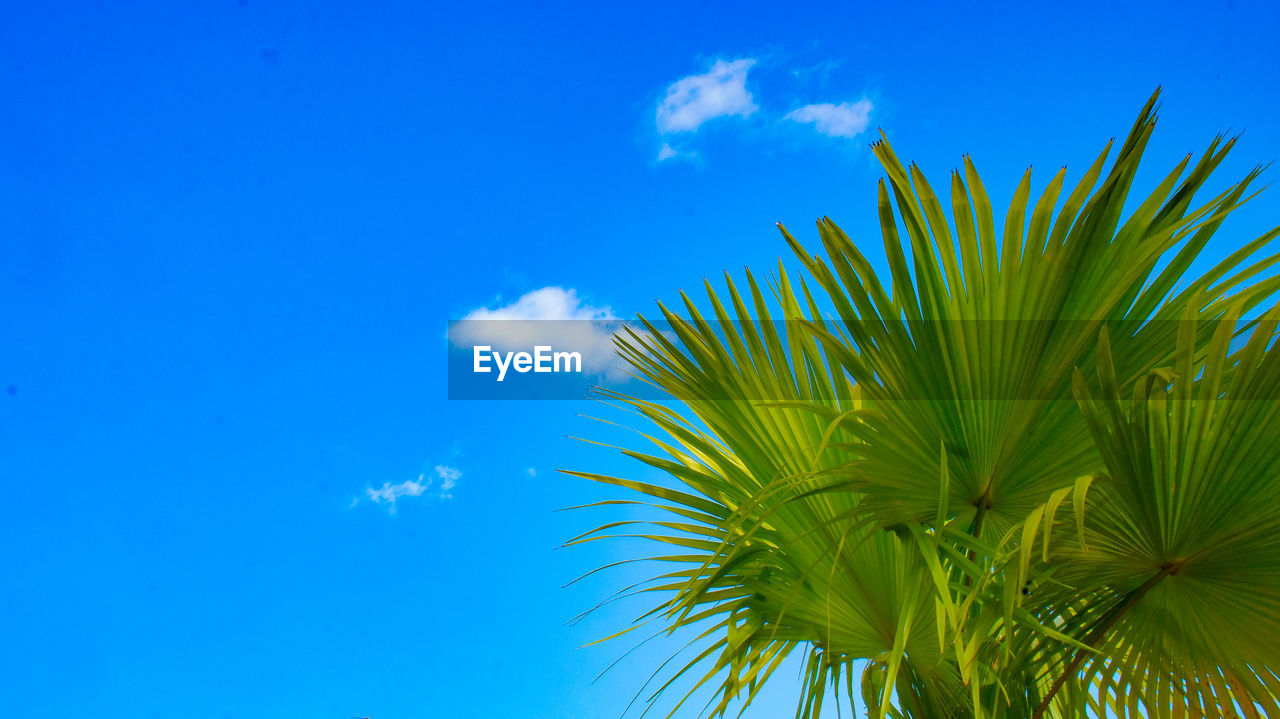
(973, 344)
(1183, 526)
(893, 480)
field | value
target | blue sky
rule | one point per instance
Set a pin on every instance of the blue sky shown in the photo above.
(233, 234)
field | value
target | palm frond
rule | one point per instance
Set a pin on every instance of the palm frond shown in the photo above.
(895, 479)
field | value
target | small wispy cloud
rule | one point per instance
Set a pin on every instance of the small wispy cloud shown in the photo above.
(722, 92)
(694, 100)
(553, 316)
(532, 472)
(449, 477)
(847, 119)
(389, 493)
(719, 92)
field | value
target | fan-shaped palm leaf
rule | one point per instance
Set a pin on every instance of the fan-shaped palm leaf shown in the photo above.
(938, 405)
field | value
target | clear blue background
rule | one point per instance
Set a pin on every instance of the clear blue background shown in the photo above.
(231, 235)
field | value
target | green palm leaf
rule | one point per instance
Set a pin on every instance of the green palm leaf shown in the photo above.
(1184, 524)
(878, 473)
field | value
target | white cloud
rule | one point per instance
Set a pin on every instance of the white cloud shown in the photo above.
(449, 477)
(719, 92)
(844, 120)
(548, 303)
(666, 152)
(552, 316)
(389, 492)
(532, 472)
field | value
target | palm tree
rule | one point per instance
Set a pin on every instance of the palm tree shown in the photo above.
(1033, 474)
